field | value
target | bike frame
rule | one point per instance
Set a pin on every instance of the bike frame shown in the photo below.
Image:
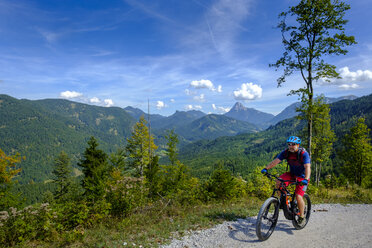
(286, 196)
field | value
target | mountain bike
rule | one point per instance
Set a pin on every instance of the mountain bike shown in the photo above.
(268, 216)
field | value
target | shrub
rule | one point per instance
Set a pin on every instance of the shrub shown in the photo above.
(30, 223)
(71, 215)
(259, 185)
(125, 193)
(222, 185)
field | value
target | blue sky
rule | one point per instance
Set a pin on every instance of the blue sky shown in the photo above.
(181, 55)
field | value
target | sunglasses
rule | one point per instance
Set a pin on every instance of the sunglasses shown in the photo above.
(292, 144)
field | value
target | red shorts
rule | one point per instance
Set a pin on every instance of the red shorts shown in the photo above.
(300, 189)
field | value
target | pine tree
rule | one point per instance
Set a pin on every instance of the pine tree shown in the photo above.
(62, 172)
(357, 154)
(95, 170)
(171, 151)
(140, 147)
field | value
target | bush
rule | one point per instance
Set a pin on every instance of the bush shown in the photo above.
(259, 185)
(30, 223)
(71, 215)
(222, 185)
(125, 194)
(177, 185)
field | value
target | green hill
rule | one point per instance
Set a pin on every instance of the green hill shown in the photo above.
(39, 130)
(246, 151)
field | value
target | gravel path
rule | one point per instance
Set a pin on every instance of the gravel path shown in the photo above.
(330, 225)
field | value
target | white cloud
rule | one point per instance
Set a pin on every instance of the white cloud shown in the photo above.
(188, 107)
(348, 86)
(94, 100)
(108, 102)
(200, 98)
(70, 94)
(172, 100)
(348, 77)
(248, 91)
(191, 107)
(221, 109)
(357, 76)
(160, 105)
(224, 109)
(202, 84)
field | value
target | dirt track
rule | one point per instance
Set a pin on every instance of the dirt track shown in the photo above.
(330, 226)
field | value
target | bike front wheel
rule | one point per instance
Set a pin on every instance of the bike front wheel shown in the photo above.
(267, 218)
(307, 212)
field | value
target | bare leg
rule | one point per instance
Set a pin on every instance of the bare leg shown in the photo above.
(301, 205)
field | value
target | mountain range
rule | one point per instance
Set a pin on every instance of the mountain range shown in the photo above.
(244, 152)
(41, 129)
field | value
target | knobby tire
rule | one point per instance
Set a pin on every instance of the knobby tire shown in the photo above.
(307, 213)
(267, 218)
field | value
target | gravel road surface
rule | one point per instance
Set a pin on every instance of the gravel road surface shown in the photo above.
(330, 225)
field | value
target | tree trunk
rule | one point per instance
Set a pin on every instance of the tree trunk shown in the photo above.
(320, 170)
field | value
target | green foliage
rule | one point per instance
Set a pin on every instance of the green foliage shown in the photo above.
(171, 151)
(323, 136)
(40, 130)
(8, 171)
(318, 31)
(62, 173)
(222, 185)
(177, 184)
(31, 223)
(259, 185)
(125, 193)
(95, 169)
(140, 147)
(357, 154)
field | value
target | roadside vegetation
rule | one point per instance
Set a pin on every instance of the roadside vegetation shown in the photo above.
(129, 199)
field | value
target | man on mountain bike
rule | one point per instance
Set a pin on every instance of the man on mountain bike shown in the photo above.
(299, 164)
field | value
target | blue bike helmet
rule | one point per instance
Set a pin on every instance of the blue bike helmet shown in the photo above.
(294, 139)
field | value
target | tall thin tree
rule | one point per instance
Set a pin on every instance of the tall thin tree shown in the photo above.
(310, 31)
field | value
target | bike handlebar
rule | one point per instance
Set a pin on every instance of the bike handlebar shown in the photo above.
(270, 176)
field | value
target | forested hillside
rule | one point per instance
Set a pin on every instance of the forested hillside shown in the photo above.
(39, 130)
(242, 153)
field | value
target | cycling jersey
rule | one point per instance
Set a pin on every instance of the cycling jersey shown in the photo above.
(296, 167)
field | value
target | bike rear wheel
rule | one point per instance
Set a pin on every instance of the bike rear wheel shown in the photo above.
(267, 218)
(307, 212)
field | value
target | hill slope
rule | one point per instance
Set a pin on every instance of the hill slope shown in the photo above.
(246, 151)
(41, 129)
